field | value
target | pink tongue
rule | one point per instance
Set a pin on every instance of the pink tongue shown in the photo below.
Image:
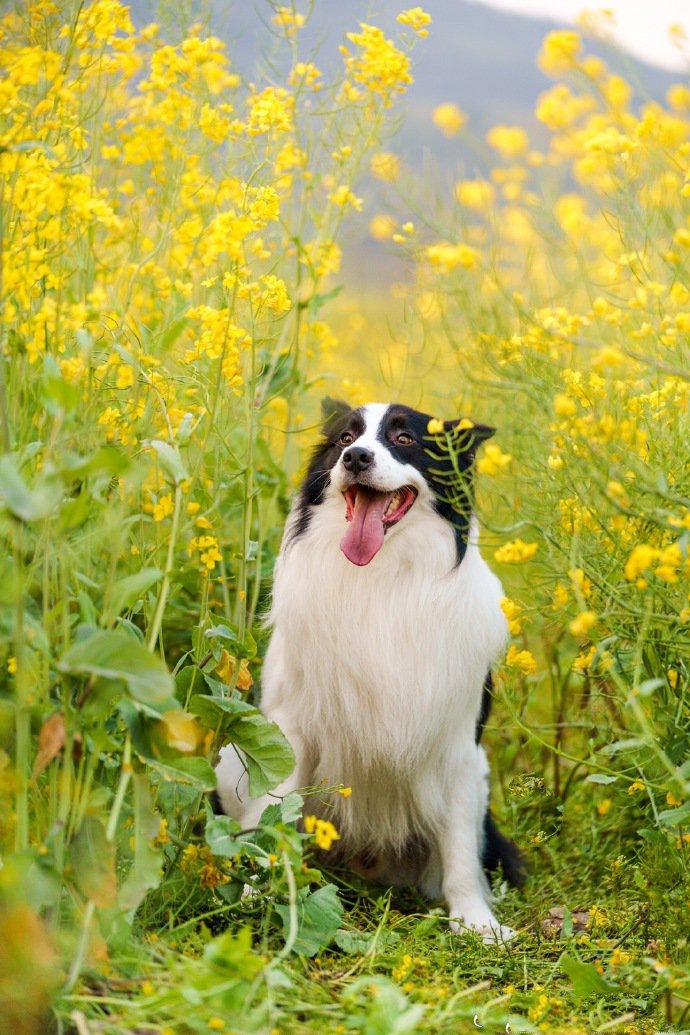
(364, 537)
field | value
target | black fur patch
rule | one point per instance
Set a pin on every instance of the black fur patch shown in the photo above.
(485, 707)
(449, 473)
(338, 418)
(499, 850)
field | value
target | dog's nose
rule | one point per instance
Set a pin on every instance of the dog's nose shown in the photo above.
(357, 459)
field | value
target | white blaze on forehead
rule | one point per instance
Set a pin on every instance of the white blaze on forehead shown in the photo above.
(373, 414)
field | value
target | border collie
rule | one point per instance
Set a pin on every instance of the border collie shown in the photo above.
(386, 621)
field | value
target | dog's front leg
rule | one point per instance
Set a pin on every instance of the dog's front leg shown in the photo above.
(464, 885)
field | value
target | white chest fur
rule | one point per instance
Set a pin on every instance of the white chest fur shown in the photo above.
(384, 664)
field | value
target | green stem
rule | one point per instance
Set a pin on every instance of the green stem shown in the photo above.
(111, 830)
(157, 619)
(22, 710)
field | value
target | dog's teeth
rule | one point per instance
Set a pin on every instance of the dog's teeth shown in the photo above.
(394, 503)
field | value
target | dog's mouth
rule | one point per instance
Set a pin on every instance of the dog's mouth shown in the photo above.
(370, 514)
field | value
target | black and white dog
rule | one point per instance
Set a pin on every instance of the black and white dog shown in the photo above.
(386, 621)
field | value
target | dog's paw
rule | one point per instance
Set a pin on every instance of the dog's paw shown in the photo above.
(491, 932)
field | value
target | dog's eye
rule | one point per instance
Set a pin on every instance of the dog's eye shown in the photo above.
(402, 438)
(346, 439)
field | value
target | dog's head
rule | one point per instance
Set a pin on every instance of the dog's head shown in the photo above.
(386, 460)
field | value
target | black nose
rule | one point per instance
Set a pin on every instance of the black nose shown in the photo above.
(357, 459)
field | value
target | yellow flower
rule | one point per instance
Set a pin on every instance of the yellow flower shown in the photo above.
(494, 460)
(559, 52)
(522, 660)
(582, 623)
(449, 119)
(12, 665)
(163, 508)
(323, 832)
(513, 615)
(288, 20)
(226, 671)
(640, 560)
(447, 256)
(635, 786)
(509, 141)
(604, 806)
(417, 19)
(385, 166)
(378, 65)
(475, 194)
(564, 406)
(515, 552)
(343, 196)
(435, 426)
(345, 791)
(382, 227)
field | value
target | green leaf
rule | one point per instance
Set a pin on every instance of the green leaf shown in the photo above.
(196, 771)
(243, 648)
(127, 591)
(269, 757)
(319, 914)
(585, 978)
(361, 942)
(170, 460)
(92, 861)
(224, 836)
(112, 654)
(145, 872)
(25, 503)
(58, 394)
(601, 778)
(232, 954)
(675, 817)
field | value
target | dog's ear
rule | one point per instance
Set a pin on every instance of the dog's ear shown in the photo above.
(332, 411)
(470, 435)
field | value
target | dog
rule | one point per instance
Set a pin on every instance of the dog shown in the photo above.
(386, 621)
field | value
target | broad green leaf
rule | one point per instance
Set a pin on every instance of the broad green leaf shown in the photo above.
(361, 942)
(92, 861)
(318, 915)
(170, 460)
(232, 953)
(675, 817)
(196, 771)
(224, 837)
(145, 871)
(244, 648)
(112, 654)
(601, 778)
(269, 757)
(127, 591)
(585, 978)
(25, 503)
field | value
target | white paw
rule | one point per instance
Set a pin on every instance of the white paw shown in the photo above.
(491, 932)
